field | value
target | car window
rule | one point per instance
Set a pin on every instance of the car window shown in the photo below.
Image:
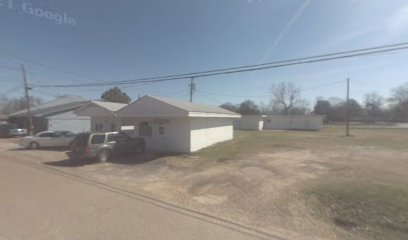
(98, 139)
(47, 134)
(116, 137)
(68, 134)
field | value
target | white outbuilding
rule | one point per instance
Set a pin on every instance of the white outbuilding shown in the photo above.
(294, 122)
(250, 122)
(103, 115)
(172, 125)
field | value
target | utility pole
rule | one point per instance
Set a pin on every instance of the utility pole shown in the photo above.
(348, 109)
(192, 88)
(27, 96)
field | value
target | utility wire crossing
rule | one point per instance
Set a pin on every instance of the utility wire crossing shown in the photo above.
(247, 68)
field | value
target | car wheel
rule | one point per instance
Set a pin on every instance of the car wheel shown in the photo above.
(33, 145)
(103, 156)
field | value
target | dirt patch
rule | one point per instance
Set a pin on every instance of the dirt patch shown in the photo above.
(263, 179)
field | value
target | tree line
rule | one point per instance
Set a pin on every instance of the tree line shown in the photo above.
(285, 99)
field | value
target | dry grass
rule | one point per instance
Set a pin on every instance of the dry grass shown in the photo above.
(364, 192)
(300, 185)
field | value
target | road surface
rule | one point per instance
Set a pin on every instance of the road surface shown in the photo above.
(39, 202)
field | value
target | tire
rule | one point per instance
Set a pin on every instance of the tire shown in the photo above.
(33, 145)
(103, 156)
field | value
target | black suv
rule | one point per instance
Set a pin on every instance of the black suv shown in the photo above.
(104, 145)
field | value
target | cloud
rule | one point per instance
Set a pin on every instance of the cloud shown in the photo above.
(286, 29)
(288, 26)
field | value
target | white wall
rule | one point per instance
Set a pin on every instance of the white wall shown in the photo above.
(249, 122)
(68, 121)
(176, 133)
(106, 123)
(208, 131)
(302, 122)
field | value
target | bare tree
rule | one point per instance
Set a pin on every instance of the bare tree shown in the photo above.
(8, 106)
(373, 105)
(285, 99)
(399, 103)
(264, 108)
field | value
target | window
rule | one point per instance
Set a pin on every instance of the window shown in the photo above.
(98, 139)
(145, 129)
(117, 137)
(161, 130)
(47, 134)
(69, 134)
(98, 127)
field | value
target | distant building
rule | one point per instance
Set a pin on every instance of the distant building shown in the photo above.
(250, 122)
(54, 115)
(103, 115)
(294, 122)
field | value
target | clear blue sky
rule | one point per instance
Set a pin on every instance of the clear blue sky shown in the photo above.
(119, 40)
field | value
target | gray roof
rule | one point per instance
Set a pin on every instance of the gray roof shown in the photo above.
(194, 107)
(111, 106)
(56, 106)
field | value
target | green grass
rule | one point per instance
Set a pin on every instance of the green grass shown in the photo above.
(364, 209)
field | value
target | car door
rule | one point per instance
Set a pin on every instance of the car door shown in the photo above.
(45, 139)
(59, 139)
(117, 142)
(66, 138)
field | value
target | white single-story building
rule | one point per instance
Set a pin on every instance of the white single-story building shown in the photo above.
(68, 121)
(103, 115)
(250, 122)
(177, 126)
(294, 122)
(58, 114)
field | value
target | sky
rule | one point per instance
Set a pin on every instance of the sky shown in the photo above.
(63, 42)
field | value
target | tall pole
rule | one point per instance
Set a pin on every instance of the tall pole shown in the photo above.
(348, 109)
(192, 88)
(27, 96)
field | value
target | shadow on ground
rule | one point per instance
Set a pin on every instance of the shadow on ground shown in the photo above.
(125, 160)
(54, 149)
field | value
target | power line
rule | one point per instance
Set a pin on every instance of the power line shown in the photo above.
(49, 67)
(267, 95)
(10, 68)
(232, 96)
(248, 68)
(209, 97)
(11, 90)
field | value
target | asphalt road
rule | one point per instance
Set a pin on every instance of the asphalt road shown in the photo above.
(38, 202)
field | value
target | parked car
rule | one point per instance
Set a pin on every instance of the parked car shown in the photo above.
(102, 146)
(11, 130)
(18, 132)
(48, 139)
